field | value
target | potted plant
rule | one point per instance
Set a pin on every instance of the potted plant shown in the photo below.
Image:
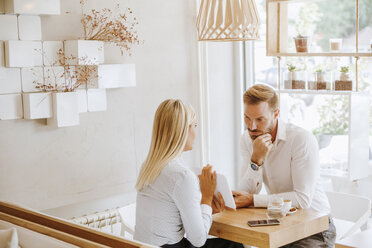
(312, 83)
(344, 73)
(302, 43)
(344, 82)
(294, 78)
(335, 45)
(320, 81)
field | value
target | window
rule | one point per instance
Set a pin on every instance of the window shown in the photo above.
(325, 115)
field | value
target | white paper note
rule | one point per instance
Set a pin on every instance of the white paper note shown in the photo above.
(224, 188)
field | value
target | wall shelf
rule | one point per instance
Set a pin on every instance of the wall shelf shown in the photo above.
(316, 92)
(277, 14)
(327, 54)
(286, 1)
(277, 31)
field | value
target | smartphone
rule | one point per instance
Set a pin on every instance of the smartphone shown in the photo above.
(270, 222)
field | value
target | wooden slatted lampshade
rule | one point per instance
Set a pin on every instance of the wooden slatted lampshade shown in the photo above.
(228, 20)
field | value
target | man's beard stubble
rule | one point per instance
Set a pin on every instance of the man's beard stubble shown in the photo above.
(262, 132)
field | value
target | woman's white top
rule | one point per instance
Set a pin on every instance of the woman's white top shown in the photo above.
(170, 207)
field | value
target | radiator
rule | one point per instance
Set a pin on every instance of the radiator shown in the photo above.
(107, 221)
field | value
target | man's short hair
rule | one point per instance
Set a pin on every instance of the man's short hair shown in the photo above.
(261, 93)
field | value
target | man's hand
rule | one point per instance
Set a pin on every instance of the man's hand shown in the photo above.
(218, 204)
(261, 146)
(242, 199)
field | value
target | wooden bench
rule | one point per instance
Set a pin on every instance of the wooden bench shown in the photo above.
(63, 230)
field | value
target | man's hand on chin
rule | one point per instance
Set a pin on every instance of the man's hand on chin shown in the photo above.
(242, 199)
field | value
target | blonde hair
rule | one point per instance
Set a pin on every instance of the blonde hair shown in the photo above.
(261, 93)
(169, 135)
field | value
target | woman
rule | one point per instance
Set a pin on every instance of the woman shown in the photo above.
(169, 203)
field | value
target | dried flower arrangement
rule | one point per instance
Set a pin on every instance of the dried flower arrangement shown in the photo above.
(105, 25)
(74, 76)
(50, 82)
(110, 26)
(45, 86)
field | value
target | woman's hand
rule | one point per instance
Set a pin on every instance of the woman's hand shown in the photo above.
(218, 204)
(207, 181)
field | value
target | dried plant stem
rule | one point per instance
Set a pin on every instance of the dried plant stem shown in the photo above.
(105, 25)
(74, 76)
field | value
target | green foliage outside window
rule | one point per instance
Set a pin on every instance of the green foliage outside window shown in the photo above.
(339, 18)
(333, 116)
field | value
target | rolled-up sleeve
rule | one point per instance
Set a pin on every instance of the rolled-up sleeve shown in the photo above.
(196, 218)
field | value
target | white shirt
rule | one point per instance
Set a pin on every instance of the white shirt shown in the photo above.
(290, 169)
(170, 207)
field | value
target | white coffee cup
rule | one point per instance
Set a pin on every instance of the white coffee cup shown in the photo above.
(287, 205)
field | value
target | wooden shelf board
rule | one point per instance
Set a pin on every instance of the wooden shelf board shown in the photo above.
(291, 1)
(316, 92)
(328, 54)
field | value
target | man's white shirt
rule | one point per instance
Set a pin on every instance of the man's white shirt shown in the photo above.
(290, 170)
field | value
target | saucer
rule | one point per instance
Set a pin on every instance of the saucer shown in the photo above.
(292, 212)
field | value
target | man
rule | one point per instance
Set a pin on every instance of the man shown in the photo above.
(282, 156)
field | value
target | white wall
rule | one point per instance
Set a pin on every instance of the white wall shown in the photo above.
(225, 97)
(47, 168)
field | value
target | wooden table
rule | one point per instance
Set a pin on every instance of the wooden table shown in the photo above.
(232, 225)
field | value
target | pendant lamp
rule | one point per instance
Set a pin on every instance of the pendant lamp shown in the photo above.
(228, 20)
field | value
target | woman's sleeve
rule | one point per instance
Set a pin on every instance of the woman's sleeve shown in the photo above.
(196, 218)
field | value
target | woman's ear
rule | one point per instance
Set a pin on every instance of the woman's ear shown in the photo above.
(276, 113)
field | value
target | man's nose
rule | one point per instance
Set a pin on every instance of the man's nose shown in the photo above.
(252, 125)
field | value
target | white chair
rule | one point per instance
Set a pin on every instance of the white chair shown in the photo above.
(360, 240)
(128, 220)
(350, 213)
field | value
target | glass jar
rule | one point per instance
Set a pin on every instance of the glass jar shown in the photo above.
(302, 44)
(275, 207)
(343, 81)
(294, 80)
(319, 81)
(335, 45)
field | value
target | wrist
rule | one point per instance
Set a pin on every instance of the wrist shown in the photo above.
(256, 160)
(207, 200)
(249, 200)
